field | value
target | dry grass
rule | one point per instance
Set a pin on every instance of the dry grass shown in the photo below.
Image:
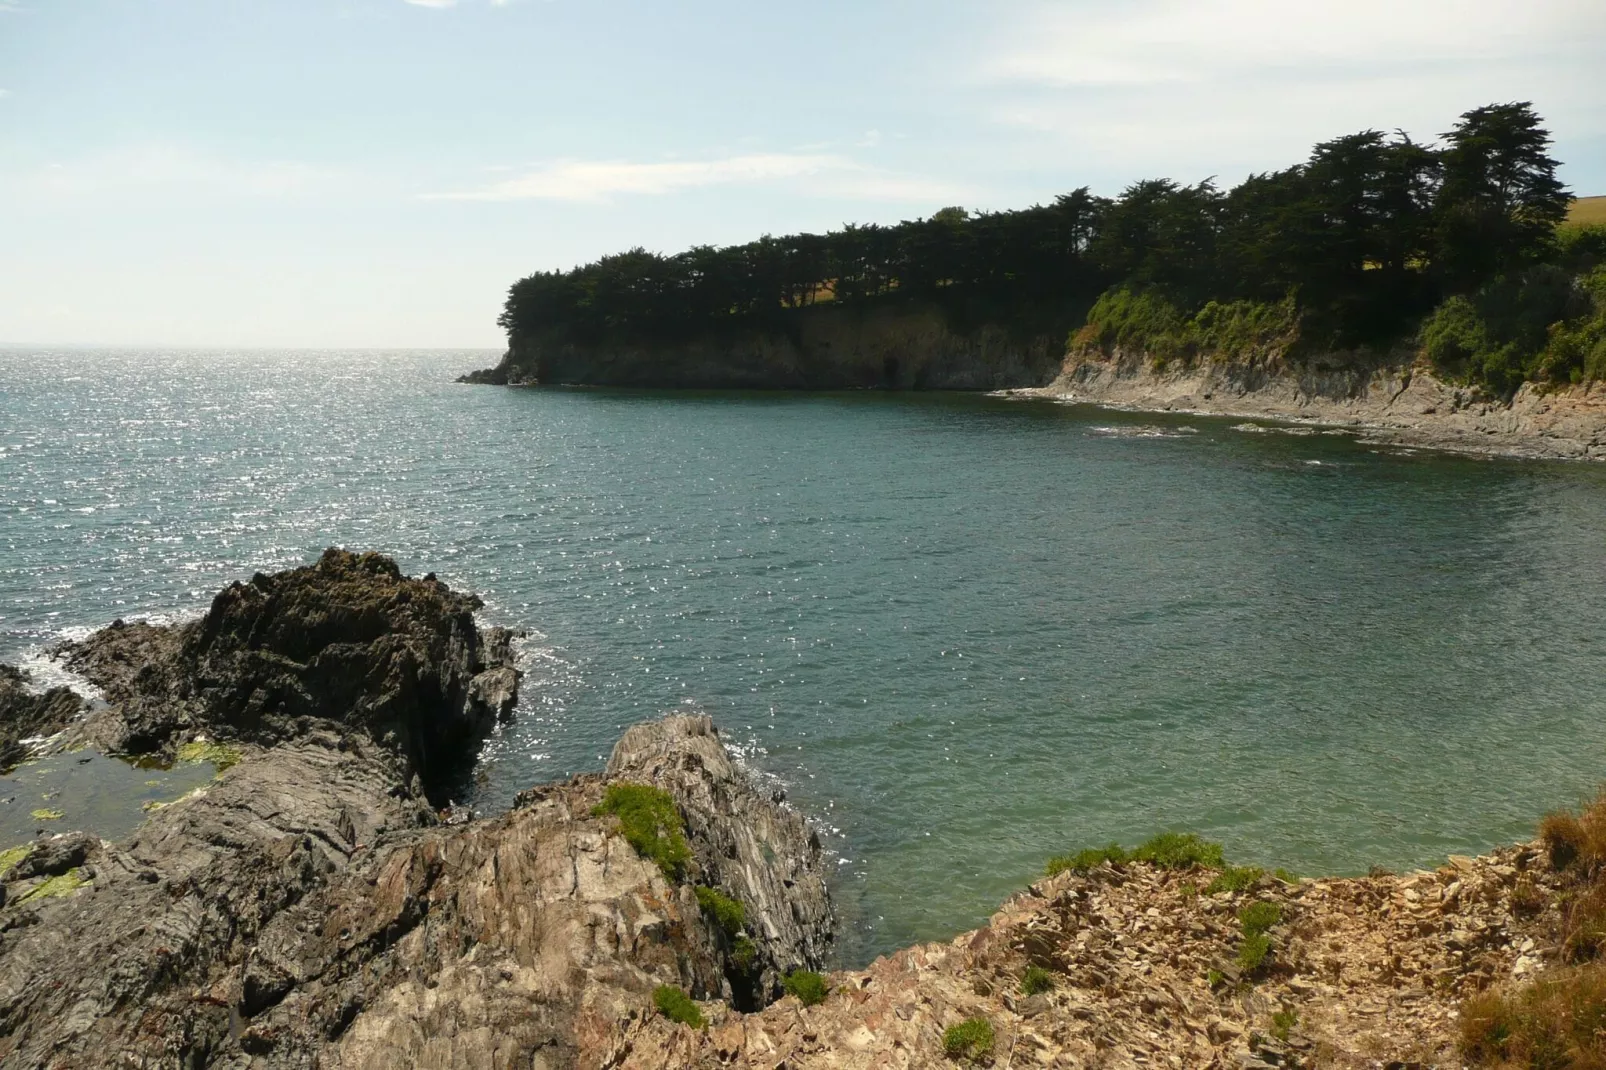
(1587, 211)
(1559, 1021)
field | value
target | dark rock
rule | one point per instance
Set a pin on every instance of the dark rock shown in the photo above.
(54, 856)
(26, 715)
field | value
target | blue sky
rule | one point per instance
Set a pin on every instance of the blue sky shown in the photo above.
(376, 172)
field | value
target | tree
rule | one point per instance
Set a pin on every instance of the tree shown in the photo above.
(1500, 200)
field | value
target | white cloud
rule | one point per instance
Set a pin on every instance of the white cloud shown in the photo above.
(821, 174)
(1157, 83)
(432, 3)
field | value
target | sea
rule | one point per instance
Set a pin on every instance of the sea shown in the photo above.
(961, 633)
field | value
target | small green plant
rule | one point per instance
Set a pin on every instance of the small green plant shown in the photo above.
(675, 1005)
(649, 822)
(1287, 876)
(729, 914)
(1036, 980)
(1179, 850)
(1254, 920)
(1215, 978)
(971, 1039)
(1282, 1023)
(809, 987)
(1084, 860)
(1234, 879)
(744, 953)
(46, 815)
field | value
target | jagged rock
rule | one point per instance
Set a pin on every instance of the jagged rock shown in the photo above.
(349, 640)
(26, 715)
(309, 908)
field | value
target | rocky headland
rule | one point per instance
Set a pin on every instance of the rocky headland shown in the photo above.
(314, 906)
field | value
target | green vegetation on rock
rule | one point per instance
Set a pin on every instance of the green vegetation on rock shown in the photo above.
(220, 755)
(1254, 921)
(1036, 980)
(13, 855)
(56, 887)
(729, 914)
(1168, 850)
(651, 823)
(1234, 879)
(673, 1003)
(809, 987)
(971, 1039)
(44, 814)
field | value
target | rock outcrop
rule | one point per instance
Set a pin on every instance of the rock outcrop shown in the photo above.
(309, 908)
(26, 714)
(1142, 969)
(1390, 403)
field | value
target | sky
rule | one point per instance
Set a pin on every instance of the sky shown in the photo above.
(355, 173)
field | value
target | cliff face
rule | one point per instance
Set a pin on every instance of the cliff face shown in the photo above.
(903, 347)
(1390, 402)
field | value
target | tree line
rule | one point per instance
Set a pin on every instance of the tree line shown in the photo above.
(1369, 235)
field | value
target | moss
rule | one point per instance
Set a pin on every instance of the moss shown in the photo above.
(674, 1004)
(13, 855)
(222, 756)
(57, 887)
(1234, 879)
(649, 822)
(1036, 980)
(971, 1039)
(809, 987)
(46, 815)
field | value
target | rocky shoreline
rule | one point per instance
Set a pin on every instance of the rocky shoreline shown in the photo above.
(1392, 404)
(314, 907)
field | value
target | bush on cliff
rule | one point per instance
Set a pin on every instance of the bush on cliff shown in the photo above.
(1229, 331)
(971, 1039)
(1168, 850)
(809, 987)
(649, 822)
(675, 1005)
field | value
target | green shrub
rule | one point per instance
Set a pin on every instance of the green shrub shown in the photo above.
(1282, 1023)
(1253, 921)
(1087, 859)
(650, 823)
(809, 987)
(1287, 876)
(729, 914)
(1234, 879)
(675, 1005)
(1544, 324)
(1180, 850)
(971, 1039)
(1036, 980)
(1148, 322)
(744, 953)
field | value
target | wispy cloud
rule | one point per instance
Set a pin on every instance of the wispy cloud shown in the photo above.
(821, 174)
(432, 3)
(1176, 79)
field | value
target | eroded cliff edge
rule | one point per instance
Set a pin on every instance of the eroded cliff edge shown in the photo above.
(1392, 402)
(310, 907)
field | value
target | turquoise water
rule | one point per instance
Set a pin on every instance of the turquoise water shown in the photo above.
(965, 633)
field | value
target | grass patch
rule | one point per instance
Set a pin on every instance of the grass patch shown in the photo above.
(1282, 1023)
(45, 814)
(221, 756)
(1558, 1022)
(1085, 860)
(809, 987)
(1254, 921)
(651, 823)
(971, 1039)
(1036, 980)
(56, 887)
(674, 1004)
(1234, 879)
(13, 855)
(1168, 850)
(1287, 876)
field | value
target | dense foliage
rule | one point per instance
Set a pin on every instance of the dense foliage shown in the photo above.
(1353, 247)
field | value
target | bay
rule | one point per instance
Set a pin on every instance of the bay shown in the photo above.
(962, 633)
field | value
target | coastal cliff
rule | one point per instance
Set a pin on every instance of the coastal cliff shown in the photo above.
(1390, 401)
(905, 346)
